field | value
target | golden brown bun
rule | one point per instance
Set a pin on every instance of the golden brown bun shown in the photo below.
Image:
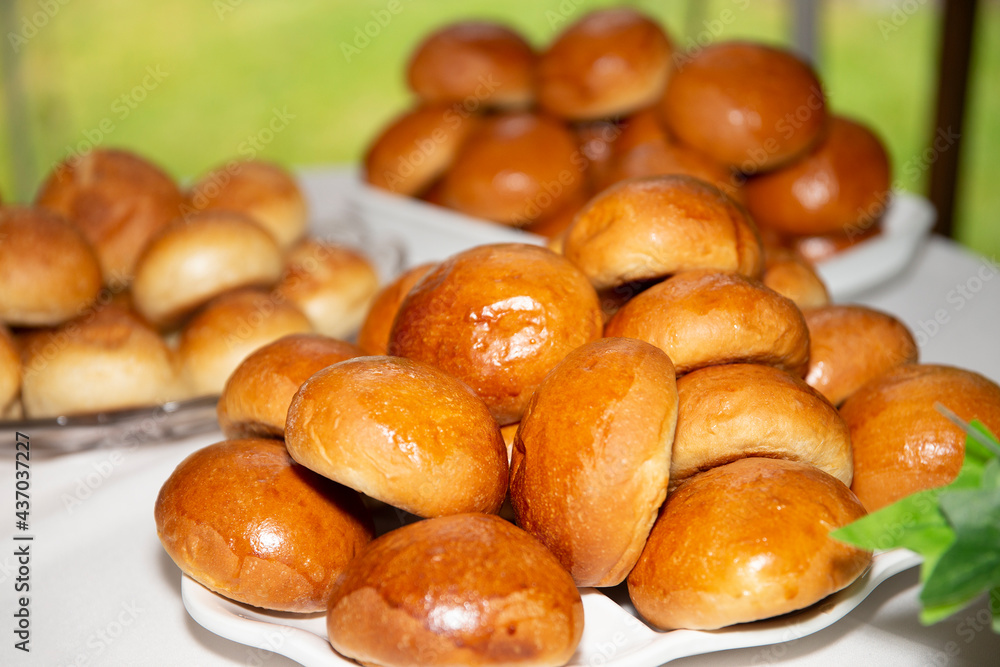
(790, 275)
(402, 432)
(241, 518)
(332, 284)
(841, 184)
(656, 226)
(48, 271)
(592, 456)
(10, 371)
(514, 169)
(746, 541)
(264, 191)
(654, 158)
(498, 317)
(459, 590)
(254, 402)
(850, 345)
(224, 333)
(196, 258)
(609, 63)
(374, 335)
(749, 106)
(416, 148)
(704, 318)
(739, 411)
(476, 64)
(106, 359)
(902, 444)
(117, 199)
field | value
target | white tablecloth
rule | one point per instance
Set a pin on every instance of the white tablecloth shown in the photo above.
(103, 592)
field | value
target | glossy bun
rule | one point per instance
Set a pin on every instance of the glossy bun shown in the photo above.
(498, 317)
(241, 518)
(402, 432)
(746, 541)
(48, 271)
(458, 590)
(255, 400)
(591, 457)
(609, 63)
(902, 444)
(749, 106)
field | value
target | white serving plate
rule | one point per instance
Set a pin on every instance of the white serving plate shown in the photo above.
(432, 233)
(612, 635)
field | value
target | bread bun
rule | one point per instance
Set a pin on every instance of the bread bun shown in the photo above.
(554, 224)
(745, 410)
(10, 371)
(746, 541)
(48, 271)
(458, 590)
(749, 106)
(609, 63)
(654, 158)
(704, 318)
(841, 184)
(402, 432)
(416, 149)
(515, 169)
(117, 199)
(478, 64)
(790, 275)
(656, 226)
(374, 335)
(902, 444)
(591, 458)
(241, 518)
(264, 191)
(850, 345)
(106, 359)
(198, 257)
(498, 317)
(224, 333)
(255, 400)
(332, 284)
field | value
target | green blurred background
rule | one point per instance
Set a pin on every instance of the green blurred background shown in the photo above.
(193, 83)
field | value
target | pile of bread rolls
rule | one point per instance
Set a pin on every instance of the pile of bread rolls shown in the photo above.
(654, 414)
(524, 137)
(656, 400)
(120, 289)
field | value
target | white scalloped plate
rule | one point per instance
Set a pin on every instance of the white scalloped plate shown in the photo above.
(612, 634)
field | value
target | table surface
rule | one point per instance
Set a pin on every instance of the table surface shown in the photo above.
(103, 592)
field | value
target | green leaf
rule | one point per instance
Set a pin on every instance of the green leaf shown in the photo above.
(915, 522)
(931, 614)
(971, 564)
(991, 475)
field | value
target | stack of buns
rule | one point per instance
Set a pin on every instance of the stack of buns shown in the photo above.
(522, 137)
(118, 289)
(665, 397)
